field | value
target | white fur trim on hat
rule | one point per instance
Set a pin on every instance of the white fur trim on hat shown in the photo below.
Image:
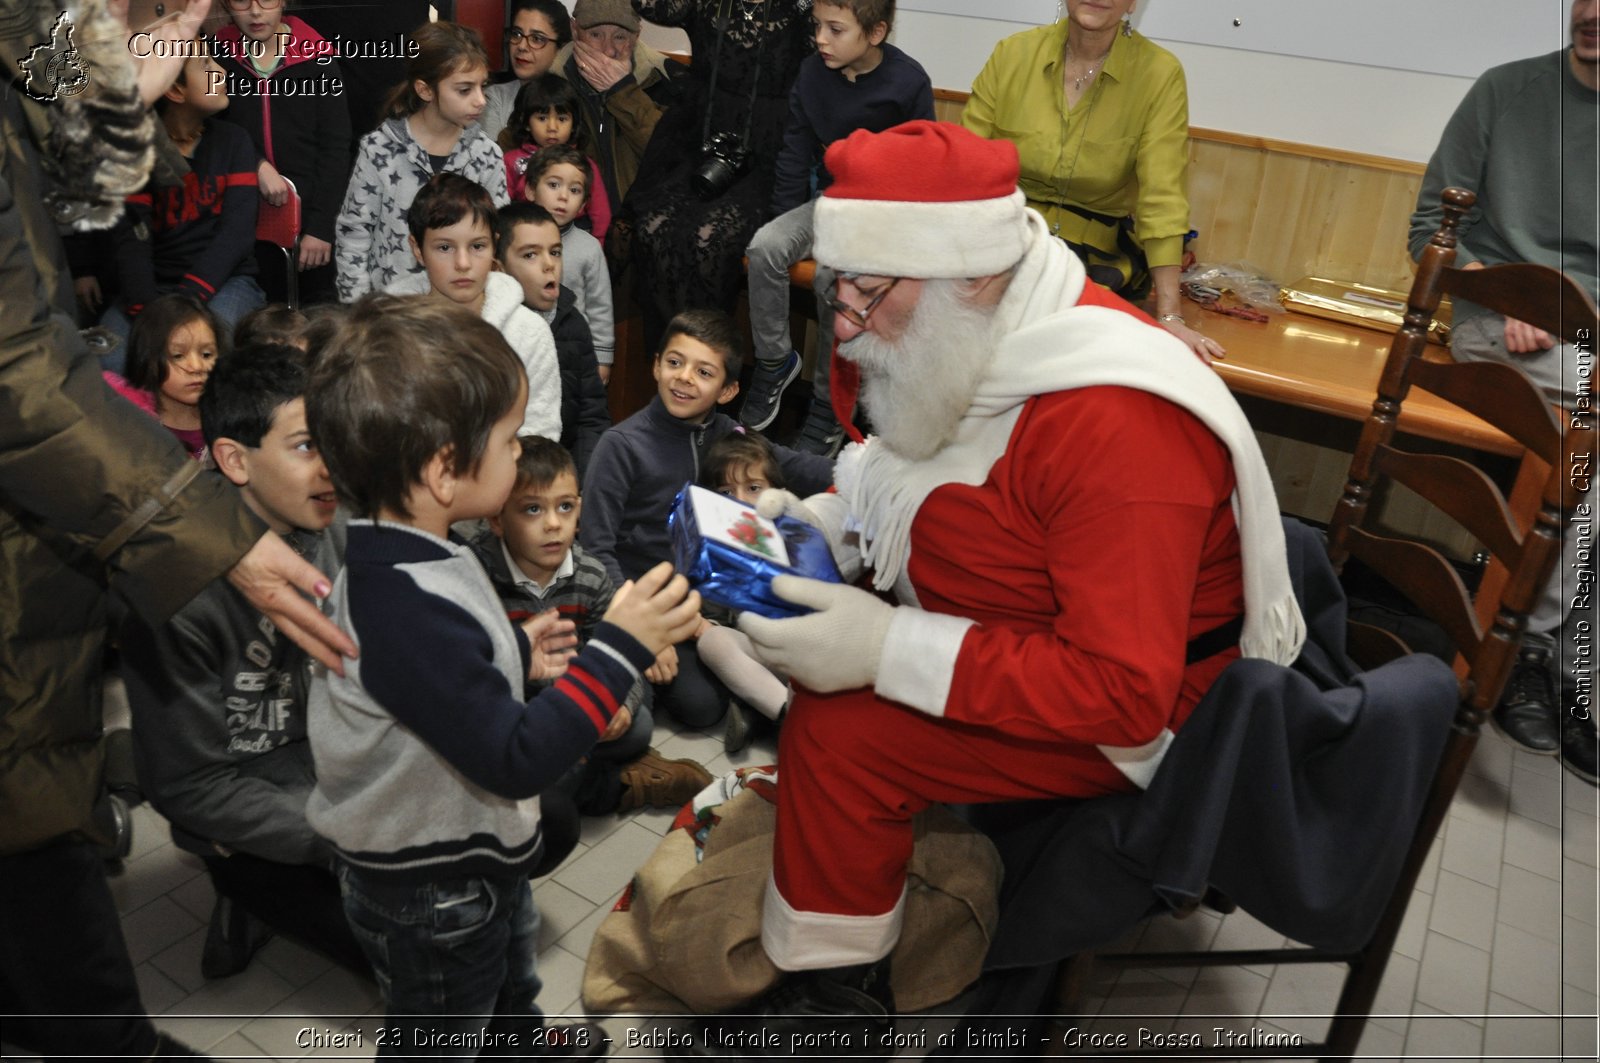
(895, 238)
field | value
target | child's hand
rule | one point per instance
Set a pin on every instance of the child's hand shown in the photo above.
(665, 670)
(605, 374)
(271, 184)
(619, 725)
(313, 252)
(87, 290)
(554, 642)
(658, 609)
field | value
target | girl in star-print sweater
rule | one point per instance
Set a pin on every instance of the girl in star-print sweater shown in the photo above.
(429, 130)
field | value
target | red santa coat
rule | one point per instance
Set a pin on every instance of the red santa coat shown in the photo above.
(1102, 541)
(1059, 577)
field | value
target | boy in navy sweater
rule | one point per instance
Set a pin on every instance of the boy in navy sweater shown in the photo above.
(429, 762)
(198, 235)
(642, 463)
(855, 81)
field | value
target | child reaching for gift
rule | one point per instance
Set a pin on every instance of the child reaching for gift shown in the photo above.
(741, 465)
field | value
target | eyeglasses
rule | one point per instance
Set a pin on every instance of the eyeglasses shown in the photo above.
(875, 295)
(244, 5)
(515, 36)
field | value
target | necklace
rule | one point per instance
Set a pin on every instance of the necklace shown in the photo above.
(1066, 135)
(1087, 75)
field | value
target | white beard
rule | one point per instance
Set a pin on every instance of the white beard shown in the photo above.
(917, 388)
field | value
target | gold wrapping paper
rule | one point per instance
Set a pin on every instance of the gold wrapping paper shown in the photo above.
(1358, 304)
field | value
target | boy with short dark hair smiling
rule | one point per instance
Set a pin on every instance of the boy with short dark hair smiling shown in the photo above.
(452, 222)
(429, 760)
(643, 462)
(528, 246)
(219, 697)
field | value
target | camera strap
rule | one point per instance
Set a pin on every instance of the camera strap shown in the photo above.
(724, 17)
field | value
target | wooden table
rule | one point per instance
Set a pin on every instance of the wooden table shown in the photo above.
(1333, 368)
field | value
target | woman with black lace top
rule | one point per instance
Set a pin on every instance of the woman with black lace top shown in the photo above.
(688, 249)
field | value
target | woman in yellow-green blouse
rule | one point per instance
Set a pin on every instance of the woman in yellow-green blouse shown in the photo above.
(1100, 118)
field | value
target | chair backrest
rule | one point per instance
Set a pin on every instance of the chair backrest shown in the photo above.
(280, 226)
(1507, 398)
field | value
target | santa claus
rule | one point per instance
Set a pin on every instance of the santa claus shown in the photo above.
(1070, 532)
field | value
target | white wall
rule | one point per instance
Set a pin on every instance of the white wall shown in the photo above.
(1379, 111)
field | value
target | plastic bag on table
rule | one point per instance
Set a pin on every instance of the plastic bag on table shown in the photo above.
(1207, 282)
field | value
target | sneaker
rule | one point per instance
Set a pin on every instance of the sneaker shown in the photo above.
(1578, 739)
(653, 781)
(840, 1013)
(233, 937)
(767, 385)
(1527, 710)
(112, 815)
(821, 434)
(736, 732)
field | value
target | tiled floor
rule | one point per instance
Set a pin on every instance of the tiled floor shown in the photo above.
(1497, 959)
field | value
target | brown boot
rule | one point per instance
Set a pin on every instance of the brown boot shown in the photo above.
(657, 782)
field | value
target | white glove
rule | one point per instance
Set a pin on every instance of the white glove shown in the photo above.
(835, 648)
(827, 512)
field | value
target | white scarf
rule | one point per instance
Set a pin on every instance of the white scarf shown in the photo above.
(1051, 344)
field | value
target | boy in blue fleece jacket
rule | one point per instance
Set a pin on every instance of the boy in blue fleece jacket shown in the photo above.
(429, 762)
(643, 462)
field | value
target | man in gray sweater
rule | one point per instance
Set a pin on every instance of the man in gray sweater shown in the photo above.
(1524, 140)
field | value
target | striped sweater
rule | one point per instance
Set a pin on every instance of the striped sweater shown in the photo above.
(196, 235)
(429, 762)
(582, 596)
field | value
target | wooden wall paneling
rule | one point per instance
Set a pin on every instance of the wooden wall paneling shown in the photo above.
(1237, 204)
(1389, 260)
(1205, 187)
(1275, 233)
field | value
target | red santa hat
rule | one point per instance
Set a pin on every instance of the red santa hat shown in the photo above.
(924, 200)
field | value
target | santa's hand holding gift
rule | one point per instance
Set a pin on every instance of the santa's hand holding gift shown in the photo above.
(1067, 510)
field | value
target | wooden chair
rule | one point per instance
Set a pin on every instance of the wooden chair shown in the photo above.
(280, 227)
(1504, 396)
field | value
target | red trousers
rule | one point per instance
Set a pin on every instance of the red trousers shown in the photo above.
(854, 769)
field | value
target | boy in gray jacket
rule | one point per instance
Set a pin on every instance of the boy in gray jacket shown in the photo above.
(219, 695)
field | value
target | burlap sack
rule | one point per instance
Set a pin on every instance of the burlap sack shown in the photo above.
(691, 939)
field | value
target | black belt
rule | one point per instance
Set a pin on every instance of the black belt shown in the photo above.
(1210, 643)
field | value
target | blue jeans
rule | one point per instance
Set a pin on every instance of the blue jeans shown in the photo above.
(233, 300)
(454, 959)
(776, 246)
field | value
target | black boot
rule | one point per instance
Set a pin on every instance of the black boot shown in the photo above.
(1527, 710)
(233, 937)
(840, 1013)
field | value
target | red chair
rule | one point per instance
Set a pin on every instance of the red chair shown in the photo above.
(280, 227)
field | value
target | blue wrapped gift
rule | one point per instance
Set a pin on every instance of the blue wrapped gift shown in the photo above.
(730, 553)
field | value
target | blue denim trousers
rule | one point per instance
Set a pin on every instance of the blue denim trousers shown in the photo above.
(454, 958)
(236, 298)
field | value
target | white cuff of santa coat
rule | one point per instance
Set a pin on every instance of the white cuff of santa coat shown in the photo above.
(810, 941)
(1139, 763)
(918, 664)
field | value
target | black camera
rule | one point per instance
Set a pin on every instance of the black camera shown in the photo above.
(723, 158)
